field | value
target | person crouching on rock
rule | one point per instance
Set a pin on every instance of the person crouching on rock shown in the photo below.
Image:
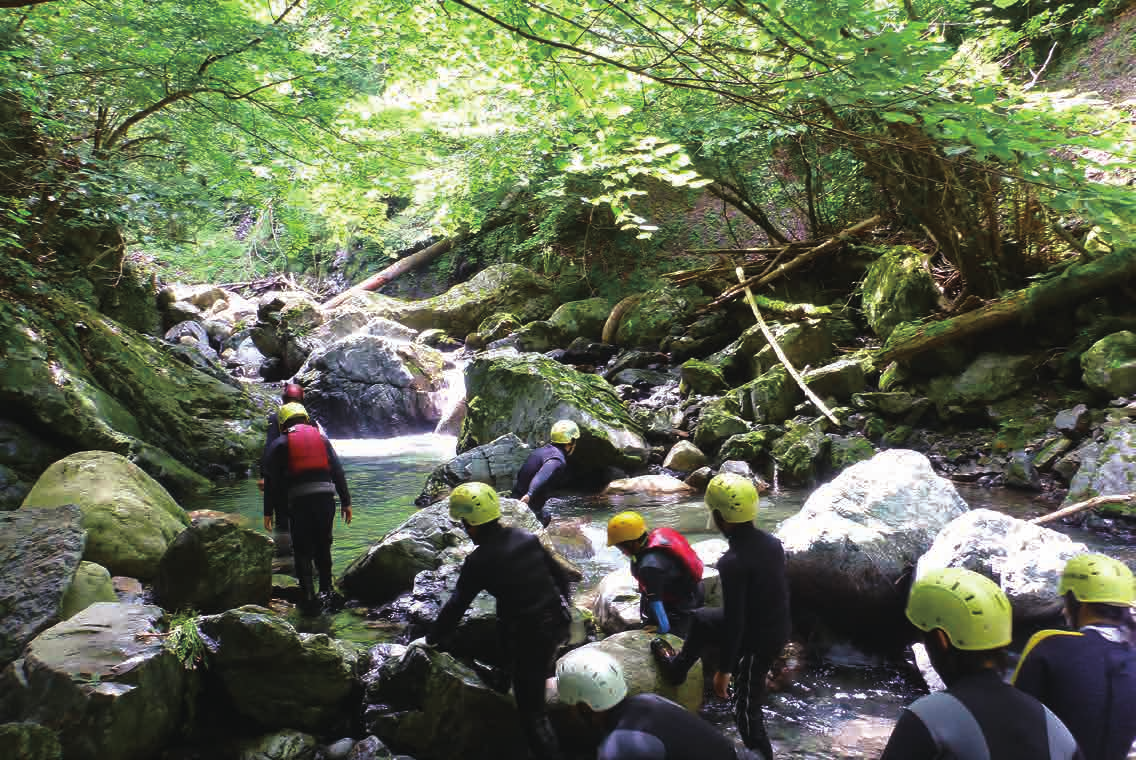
(667, 569)
(532, 593)
(303, 472)
(544, 467)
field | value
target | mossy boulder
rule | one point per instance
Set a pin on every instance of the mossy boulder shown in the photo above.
(129, 518)
(897, 288)
(29, 741)
(807, 343)
(768, 399)
(539, 336)
(747, 447)
(702, 378)
(285, 328)
(215, 565)
(838, 380)
(1108, 468)
(496, 326)
(525, 393)
(632, 650)
(802, 453)
(584, 319)
(718, 420)
(846, 451)
(1109, 366)
(91, 584)
(988, 378)
(651, 318)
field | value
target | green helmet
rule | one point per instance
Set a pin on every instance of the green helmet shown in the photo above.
(734, 496)
(292, 413)
(476, 503)
(1099, 579)
(564, 431)
(968, 607)
(592, 677)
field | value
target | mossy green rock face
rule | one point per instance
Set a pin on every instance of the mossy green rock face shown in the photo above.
(801, 453)
(847, 451)
(105, 683)
(582, 318)
(988, 378)
(276, 677)
(897, 289)
(129, 518)
(94, 384)
(1108, 468)
(770, 398)
(501, 288)
(90, 585)
(746, 447)
(718, 421)
(215, 565)
(526, 393)
(650, 320)
(701, 378)
(539, 336)
(805, 343)
(1109, 366)
(838, 380)
(29, 741)
(497, 326)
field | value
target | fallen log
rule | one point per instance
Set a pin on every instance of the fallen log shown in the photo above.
(1071, 285)
(1081, 506)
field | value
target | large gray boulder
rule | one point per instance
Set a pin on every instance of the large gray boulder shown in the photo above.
(495, 463)
(1109, 366)
(215, 565)
(859, 534)
(365, 385)
(40, 550)
(104, 682)
(129, 518)
(988, 378)
(274, 677)
(526, 393)
(1026, 560)
(1108, 467)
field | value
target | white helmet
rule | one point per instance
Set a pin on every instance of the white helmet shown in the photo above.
(590, 676)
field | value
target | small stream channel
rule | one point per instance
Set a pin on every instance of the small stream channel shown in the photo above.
(841, 707)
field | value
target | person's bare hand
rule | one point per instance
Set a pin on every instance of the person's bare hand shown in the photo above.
(525, 499)
(722, 685)
(346, 512)
(268, 523)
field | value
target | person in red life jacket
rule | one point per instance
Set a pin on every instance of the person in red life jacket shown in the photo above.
(544, 468)
(668, 571)
(1087, 676)
(292, 394)
(303, 472)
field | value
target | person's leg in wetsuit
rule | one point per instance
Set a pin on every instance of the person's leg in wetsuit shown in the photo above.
(751, 687)
(322, 510)
(535, 645)
(304, 526)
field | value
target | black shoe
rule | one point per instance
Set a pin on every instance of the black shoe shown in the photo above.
(665, 657)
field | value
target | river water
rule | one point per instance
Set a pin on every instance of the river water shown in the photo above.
(841, 707)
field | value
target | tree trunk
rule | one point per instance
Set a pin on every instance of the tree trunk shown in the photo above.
(1072, 285)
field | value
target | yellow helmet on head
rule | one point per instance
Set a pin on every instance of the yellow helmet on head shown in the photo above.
(970, 608)
(1099, 579)
(564, 431)
(734, 496)
(476, 503)
(292, 413)
(626, 526)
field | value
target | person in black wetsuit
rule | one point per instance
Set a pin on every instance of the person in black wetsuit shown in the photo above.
(966, 624)
(532, 592)
(642, 727)
(668, 571)
(302, 476)
(544, 468)
(292, 394)
(1087, 676)
(752, 626)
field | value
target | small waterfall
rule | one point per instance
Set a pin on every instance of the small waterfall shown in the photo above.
(450, 400)
(776, 478)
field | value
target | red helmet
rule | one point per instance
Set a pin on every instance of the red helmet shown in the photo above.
(293, 392)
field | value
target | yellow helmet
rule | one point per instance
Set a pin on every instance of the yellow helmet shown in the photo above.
(626, 526)
(970, 608)
(476, 503)
(1100, 579)
(734, 496)
(564, 431)
(292, 413)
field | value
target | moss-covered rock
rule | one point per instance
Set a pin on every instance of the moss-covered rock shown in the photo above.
(539, 336)
(848, 450)
(897, 288)
(801, 453)
(215, 565)
(129, 518)
(90, 585)
(1107, 468)
(988, 378)
(770, 398)
(651, 318)
(747, 447)
(526, 393)
(29, 741)
(585, 318)
(718, 421)
(497, 326)
(807, 343)
(838, 380)
(1109, 366)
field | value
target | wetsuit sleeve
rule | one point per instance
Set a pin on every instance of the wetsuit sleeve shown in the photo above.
(270, 434)
(275, 474)
(735, 595)
(470, 582)
(559, 575)
(543, 475)
(624, 744)
(337, 475)
(910, 740)
(653, 575)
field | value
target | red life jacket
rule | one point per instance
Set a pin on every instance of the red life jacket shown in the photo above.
(671, 541)
(306, 451)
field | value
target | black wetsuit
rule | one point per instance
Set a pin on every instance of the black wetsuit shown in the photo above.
(665, 578)
(540, 473)
(1088, 678)
(309, 500)
(979, 717)
(751, 627)
(532, 593)
(649, 727)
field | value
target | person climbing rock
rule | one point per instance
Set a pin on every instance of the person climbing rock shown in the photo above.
(545, 468)
(532, 593)
(667, 569)
(641, 727)
(966, 623)
(303, 473)
(1087, 676)
(752, 626)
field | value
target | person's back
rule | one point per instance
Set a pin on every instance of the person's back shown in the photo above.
(755, 566)
(514, 567)
(649, 727)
